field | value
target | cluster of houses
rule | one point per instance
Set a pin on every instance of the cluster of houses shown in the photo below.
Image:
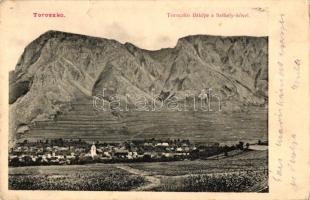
(60, 151)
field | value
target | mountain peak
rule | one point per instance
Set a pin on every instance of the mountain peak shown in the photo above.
(59, 67)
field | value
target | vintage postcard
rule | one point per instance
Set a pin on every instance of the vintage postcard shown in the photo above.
(154, 100)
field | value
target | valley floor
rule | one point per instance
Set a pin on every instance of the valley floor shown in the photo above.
(246, 172)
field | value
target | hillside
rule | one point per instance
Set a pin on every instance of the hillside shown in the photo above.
(59, 69)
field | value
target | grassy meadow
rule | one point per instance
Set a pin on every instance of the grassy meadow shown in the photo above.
(73, 177)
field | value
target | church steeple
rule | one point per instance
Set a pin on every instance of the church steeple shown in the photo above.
(93, 149)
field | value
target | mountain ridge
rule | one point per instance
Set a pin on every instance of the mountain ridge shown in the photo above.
(58, 68)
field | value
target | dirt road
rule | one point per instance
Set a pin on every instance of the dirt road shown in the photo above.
(152, 181)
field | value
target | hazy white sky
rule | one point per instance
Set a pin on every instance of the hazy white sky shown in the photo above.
(145, 24)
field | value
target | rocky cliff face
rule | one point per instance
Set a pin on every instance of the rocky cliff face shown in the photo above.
(58, 68)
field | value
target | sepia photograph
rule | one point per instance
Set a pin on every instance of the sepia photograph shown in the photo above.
(169, 100)
(94, 114)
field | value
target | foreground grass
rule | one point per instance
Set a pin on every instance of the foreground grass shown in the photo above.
(94, 178)
(230, 182)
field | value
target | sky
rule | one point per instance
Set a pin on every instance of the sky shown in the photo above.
(145, 24)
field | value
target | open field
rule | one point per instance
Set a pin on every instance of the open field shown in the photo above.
(245, 172)
(237, 173)
(248, 181)
(247, 161)
(73, 177)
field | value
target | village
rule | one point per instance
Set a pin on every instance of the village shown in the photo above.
(67, 152)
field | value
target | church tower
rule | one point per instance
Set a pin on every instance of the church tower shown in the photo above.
(93, 152)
